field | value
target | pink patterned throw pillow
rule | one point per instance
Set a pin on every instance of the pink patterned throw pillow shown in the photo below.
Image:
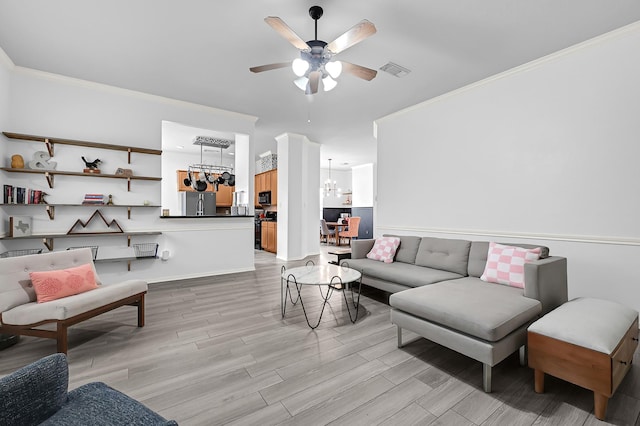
(384, 249)
(52, 285)
(505, 264)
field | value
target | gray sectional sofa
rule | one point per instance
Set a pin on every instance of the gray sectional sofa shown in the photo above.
(438, 294)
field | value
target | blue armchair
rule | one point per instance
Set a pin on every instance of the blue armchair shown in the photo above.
(37, 395)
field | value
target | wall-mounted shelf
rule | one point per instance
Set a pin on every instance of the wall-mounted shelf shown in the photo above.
(47, 239)
(51, 208)
(49, 174)
(50, 142)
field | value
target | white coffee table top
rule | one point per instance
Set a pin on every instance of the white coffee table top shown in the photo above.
(321, 274)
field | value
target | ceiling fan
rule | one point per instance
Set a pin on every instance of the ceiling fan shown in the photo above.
(316, 56)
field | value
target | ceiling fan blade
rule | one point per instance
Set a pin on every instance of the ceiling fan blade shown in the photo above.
(285, 31)
(314, 82)
(270, 67)
(354, 35)
(359, 71)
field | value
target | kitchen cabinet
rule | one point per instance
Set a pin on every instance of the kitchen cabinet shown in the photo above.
(224, 195)
(269, 236)
(267, 181)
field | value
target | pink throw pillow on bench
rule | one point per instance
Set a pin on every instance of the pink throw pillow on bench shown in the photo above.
(505, 264)
(384, 249)
(52, 285)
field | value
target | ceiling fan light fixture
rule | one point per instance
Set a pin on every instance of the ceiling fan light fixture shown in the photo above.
(302, 83)
(334, 68)
(299, 67)
(328, 83)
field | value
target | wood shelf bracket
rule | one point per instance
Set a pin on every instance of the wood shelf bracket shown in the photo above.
(51, 211)
(49, 177)
(129, 212)
(48, 243)
(128, 184)
(129, 156)
(49, 145)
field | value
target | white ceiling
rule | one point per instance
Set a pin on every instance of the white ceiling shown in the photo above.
(201, 50)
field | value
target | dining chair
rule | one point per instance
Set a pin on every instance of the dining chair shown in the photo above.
(325, 232)
(352, 231)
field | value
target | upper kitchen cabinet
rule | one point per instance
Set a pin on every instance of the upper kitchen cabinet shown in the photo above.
(267, 181)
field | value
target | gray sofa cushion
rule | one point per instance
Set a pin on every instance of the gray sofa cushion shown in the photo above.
(400, 273)
(480, 249)
(484, 310)
(408, 248)
(444, 254)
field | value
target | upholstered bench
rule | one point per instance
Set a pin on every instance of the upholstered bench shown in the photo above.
(588, 342)
(21, 314)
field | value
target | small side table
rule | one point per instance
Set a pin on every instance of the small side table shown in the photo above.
(588, 342)
(342, 254)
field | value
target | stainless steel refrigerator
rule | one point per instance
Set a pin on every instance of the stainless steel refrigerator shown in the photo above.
(198, 203)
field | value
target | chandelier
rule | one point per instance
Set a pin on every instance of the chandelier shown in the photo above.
(331, 186)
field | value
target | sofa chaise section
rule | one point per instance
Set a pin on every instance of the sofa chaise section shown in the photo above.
(438, 294)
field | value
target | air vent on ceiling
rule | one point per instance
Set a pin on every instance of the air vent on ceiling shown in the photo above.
(395, 69)
(211, 141)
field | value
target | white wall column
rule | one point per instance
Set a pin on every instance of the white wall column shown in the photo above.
(298, 200)
(362, 183)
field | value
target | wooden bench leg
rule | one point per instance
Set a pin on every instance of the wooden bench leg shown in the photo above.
(63, 342)
(141, 311)
(600, 405)
(539, 380)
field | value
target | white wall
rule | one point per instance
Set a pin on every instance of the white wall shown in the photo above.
(547, 152)
(343, 181)
(362, 182)
(52, 105)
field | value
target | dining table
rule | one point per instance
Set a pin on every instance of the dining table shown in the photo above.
(338, 227)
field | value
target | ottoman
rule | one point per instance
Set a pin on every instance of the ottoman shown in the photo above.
(588, 342)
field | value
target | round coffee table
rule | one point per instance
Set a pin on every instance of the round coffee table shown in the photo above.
(332, 277)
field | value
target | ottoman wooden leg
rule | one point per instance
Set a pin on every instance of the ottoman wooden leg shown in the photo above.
(539, 380)
(600, 405)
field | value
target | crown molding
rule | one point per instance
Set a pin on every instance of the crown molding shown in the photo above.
(6, 60)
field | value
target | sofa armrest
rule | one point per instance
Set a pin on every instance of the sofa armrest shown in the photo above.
(35, 392)
(360, 248)
(546, 281)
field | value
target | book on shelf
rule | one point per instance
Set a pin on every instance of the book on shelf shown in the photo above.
(93, 199)
(19, 195)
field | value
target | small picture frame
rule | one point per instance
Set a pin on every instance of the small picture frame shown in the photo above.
(124, 172)
(20, 226)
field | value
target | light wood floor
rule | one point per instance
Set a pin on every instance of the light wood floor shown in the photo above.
(216, 351)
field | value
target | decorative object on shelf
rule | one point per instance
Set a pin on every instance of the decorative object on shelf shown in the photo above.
(91, 199)
(124, 172)
(20, 226)
(267, 161)
(316, 56)
(331, 186)
(41, 161)
(110, 201)
(91, 166)
(17, 162)
(112, 227)
(166, 212)
(16, 253)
